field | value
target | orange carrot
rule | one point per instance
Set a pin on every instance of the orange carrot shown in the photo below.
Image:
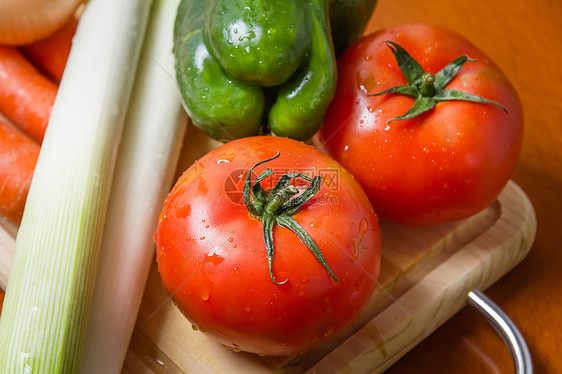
(26, 96)
(50, 54)
(18, 156)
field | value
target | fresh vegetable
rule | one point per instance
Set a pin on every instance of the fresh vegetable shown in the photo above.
(18, 156)
(156, 122)
(8, 232)
(348, 20)
(26, 96)
(46, 307)
(256, 267)
(50, 54)
(245, 68)
(451, 159)
(26, 21)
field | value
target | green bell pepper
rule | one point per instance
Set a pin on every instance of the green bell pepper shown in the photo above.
(248, 67)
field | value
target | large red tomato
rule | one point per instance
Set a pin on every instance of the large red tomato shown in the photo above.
(444, 164)
(212, 255)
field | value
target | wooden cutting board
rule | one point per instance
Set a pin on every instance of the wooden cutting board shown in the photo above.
(426, 274)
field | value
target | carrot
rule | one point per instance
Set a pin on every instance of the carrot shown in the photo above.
(50, 54)
(26, 96)
(18, 156)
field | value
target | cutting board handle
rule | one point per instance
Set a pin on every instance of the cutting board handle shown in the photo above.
(506, 328)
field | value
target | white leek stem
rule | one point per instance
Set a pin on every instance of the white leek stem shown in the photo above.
(146, 164)
(8, 232)
(45, 312)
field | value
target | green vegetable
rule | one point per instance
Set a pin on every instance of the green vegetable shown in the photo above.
(51, 284)
(249, 67)
(146, 162)
(348, 19)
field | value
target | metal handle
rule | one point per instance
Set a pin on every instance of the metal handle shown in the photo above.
(506, 328)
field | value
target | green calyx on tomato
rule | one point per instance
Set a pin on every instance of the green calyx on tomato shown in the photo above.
(277, 207)
(428, 89)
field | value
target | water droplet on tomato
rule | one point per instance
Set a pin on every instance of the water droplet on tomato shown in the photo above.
(359, 284)
(247, 309)
(226, 158)
(202, 238)
(358, 241)
(206, 289)
(236, 271)
(202, 186)
(214, 259)
(425, 150)
(182, 209)
(230, 239)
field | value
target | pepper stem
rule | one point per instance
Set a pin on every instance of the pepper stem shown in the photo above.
(277, 207)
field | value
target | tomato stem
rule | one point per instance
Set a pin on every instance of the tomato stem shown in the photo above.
(427, 86)
(277, 207)
(280, 198)
(428, 89)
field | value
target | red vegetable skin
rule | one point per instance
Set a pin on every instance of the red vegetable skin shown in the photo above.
(445, 164)
(212, 257)
(18, 156)
(26, 96)
(50, 54)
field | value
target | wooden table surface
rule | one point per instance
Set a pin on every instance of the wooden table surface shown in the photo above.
(525, 39)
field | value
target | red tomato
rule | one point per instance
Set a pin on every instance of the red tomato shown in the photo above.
(447, 163)
(212, 257)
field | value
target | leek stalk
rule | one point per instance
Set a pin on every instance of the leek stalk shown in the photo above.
(46, 307)
(8, 232)
(146, 163)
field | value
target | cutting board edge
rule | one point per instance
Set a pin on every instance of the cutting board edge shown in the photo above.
(387, 338)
